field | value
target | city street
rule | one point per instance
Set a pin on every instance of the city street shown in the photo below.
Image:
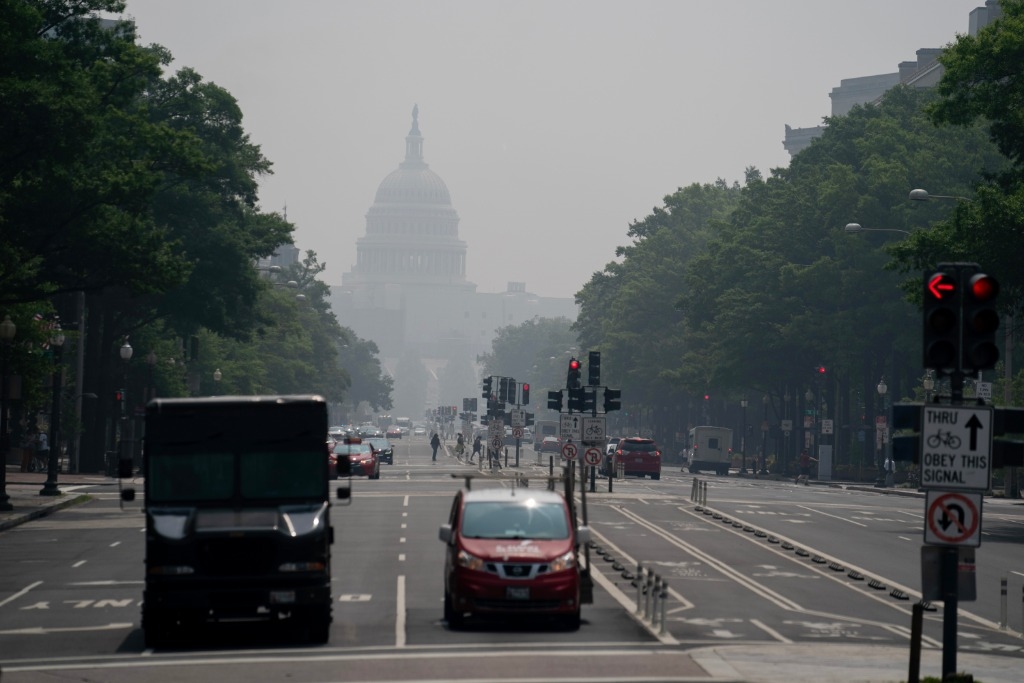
(762, 570)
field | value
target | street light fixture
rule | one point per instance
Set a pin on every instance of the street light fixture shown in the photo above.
(743, 438)
(764, 438)
(7, 331)
(857, 227)
(125, 446)
(53, 462)
(920, 195)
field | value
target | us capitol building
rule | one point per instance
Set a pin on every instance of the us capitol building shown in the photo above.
(408, 291)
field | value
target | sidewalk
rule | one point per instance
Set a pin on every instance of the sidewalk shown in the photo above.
(23, 490)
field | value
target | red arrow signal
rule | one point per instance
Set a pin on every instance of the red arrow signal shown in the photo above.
(941, 286)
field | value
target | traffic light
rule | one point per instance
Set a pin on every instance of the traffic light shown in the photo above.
(576, 400)
(529, 419)
(488, 387)
(594, 369)
(572, 378)
(555, 400)
(980, 322)
(465, 405)
(503, 390)
(820, 370)
(472, 405)
(589, 399)
(941, 321)
(511, 391)
(611, 400)
(526, 394)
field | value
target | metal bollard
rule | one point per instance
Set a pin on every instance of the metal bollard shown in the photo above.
(620, 469)
(654, 600)
(704, 493)
(1002, 602)
(639, 586)
(649, 587)
(693, 491)
(664, 599)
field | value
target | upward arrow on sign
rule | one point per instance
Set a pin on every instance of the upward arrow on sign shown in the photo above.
(974, 424)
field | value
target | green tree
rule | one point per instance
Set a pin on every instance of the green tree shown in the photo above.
(536, 351)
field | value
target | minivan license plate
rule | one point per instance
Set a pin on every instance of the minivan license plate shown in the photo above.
(639, 460)
(517, 593)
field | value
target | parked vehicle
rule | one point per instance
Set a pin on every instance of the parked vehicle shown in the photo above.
(512, 552)
(710, 449)
(551, 444)
(639, 457)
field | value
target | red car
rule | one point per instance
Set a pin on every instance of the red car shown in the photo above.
(550, 444)
(511, 552)
(362, 458)
(639, 457)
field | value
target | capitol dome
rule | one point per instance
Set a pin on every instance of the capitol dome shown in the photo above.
(413, 184)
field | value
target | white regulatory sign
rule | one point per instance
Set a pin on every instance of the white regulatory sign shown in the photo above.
(517, 432)
(953, 518)
(592, 456)
(571, 427)
(497, 442)
(517, 417)
(569, 451)
(956, 448)
(593, 430)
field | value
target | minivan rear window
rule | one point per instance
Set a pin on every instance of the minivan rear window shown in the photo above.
(638, 446)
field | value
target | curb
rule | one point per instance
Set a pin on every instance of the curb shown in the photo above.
(43, 511)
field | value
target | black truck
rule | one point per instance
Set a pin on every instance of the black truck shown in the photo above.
(237, 514)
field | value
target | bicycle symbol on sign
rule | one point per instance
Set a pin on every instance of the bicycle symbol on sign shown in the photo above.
(941, 438)
(594, 430)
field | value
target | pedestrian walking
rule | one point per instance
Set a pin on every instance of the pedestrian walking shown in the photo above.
(435, 443)
(890, 472)
(477, 446)
(42, 452)
(805, 467)
(460, 447)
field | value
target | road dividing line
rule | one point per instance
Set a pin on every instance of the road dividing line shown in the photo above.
(841, 519)
(400, 612)
(20, 593)
(770, 631)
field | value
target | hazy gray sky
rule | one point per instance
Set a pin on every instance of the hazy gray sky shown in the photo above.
(553, 123)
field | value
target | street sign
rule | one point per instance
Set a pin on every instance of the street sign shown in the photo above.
(787, 425)
(808, 421)
(956, 448)
(571, 427)
(497, 442)
(495, 429)
(592, 456)
(517, 417)
(953, 518)
(593, 429)
(826, 426)
(517, 432)
(984, 390)
(569, 451)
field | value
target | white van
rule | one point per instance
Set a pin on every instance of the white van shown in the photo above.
(542, 428)
(710, 449)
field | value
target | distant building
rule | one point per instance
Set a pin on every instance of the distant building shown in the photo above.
(408, 289)
(924, 72)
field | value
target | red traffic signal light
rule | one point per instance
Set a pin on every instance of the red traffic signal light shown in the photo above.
(526, 393)
(572, 377)
(941, 341)
(980, 322)
(820, 369)
(574, 364)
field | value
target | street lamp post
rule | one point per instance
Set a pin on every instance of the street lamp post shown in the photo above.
(53, 463)
(857, 227)
(764, 438)
(882, 388)
(743, 439)
(7, 331)
(125, 452)
(920, 195)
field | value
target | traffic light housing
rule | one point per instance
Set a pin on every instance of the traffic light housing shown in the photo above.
(503, 390)
(512, 385)
(980, 321)
(526, 394)
(472, 405)
(594, 369)
(572, 377)
(820, 370)
(555, 400)
(488, 387)
(589, 399)
(576, 400)
(611, 400)
(529, 419)
(942, 303)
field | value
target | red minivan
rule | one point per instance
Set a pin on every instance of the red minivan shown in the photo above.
(639, 457)
(511, 552)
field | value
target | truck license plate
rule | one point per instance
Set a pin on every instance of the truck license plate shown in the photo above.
(517, 593)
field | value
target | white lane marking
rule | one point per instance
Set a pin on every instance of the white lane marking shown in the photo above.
(115, 544)
(106, 583)
(401, 557)
(40, 631)
(402, 539)
(405, 501)
(770, 631)
(842, 519)
(400, 613)
(20, 593)
(79, 563)
(904, 538)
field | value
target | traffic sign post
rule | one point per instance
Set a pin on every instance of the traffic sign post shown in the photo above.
(592, 456)
(569, 451)
(953, 518)
(956, 448)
